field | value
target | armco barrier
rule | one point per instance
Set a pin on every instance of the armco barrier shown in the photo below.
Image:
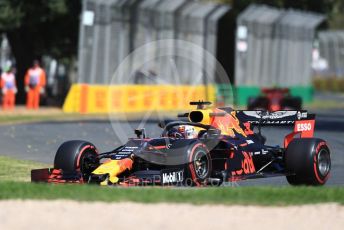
(86, 99)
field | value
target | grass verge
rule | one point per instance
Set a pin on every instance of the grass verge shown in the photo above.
(325, 104)
(15, 119)
(267, 196)
(14, 173)
(17, 170)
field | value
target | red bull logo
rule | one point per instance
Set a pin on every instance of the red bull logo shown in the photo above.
(247, 166)
(228, 124)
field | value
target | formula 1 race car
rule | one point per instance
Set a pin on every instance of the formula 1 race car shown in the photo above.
(202, 147)
(274, 99)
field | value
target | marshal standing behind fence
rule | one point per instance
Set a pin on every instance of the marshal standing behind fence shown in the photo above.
(35, 80)
(8, 88)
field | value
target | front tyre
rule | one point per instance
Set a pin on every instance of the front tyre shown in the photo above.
(310, 161)
(77, 156)
(199, 167)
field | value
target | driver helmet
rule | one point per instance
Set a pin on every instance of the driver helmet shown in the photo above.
(188, 131)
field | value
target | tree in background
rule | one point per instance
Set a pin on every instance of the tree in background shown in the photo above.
(336, 16)
(39, 27)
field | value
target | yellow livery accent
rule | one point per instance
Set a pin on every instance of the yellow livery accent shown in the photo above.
(113, 168)
(201, 116)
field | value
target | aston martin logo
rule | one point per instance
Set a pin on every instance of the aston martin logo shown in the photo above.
(268, 115)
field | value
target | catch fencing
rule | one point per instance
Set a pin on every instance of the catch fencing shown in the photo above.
(262, 47)
(330, 54)
(274, 47)
(110, 30)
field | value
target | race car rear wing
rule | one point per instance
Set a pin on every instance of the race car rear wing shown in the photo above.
(278, 118)
(303, 121)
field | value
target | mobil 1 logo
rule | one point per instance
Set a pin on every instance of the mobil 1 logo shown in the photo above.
(172, 176)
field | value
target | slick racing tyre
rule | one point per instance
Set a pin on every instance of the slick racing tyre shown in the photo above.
(291, 103)
(199, 167)
(77, 156)
(259, 103)
(309, 160)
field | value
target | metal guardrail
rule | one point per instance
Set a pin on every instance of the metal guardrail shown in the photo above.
(331, 50)
(274, 47)
(111, 29)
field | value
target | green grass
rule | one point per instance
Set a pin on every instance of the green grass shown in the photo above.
(224, 195)
(325, 104)
(14, 119)
(17, 170)
(23, 118)
(14, 175)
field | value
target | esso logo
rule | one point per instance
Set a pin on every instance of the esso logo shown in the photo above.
(301, 127)
(306, 128)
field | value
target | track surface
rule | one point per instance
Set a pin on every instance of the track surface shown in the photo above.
(39, 141)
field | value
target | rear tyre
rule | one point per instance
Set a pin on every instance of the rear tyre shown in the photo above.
(309, 160)
(77, 156)
(199, 167)
(292, 103)
(259, 103)
(250, 103)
